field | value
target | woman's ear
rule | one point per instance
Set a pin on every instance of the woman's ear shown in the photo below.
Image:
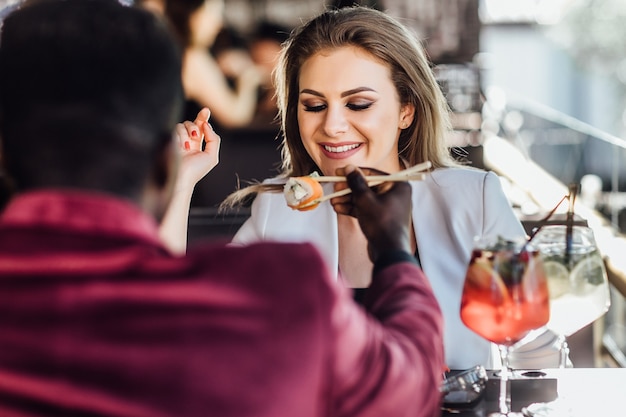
(407, 114)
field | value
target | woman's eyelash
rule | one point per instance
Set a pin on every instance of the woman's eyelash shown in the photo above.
(314, 109)
(351, 106)
(359, 106)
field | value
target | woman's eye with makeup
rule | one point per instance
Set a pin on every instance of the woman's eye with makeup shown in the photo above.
(314, 108)
(359, 105)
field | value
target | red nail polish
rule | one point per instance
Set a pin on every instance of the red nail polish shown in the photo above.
(194, 133)
(187, 146)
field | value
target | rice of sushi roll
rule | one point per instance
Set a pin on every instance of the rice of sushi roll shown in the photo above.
(300, 191)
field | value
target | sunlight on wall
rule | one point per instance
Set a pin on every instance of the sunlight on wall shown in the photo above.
(532, 11)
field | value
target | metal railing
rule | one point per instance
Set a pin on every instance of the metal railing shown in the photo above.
(571, 150)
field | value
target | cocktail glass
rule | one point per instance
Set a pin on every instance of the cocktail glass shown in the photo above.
(577, 280)
(505, 297)
(578, 287)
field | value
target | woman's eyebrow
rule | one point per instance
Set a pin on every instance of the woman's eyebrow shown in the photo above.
(344, 94)
(312, 92)
(356, 90)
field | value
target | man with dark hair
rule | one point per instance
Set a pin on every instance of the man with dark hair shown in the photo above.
(99, 318)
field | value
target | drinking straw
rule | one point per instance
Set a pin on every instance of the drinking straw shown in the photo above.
(569, 221)
(543, 221)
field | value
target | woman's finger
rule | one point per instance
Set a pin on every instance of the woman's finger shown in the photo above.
(202, 117)
(182, 135)
(194, 135)
(212, 141)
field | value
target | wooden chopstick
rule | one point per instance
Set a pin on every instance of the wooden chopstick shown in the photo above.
(404, 175)
(372, 180)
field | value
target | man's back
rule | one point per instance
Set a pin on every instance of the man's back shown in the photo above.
(99, 319)
(102, 320)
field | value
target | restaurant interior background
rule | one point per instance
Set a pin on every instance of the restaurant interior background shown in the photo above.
(538, 82)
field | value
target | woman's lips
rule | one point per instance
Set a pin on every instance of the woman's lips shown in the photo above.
(340, 151)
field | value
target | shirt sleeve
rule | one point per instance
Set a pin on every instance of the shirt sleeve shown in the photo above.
(388, 359)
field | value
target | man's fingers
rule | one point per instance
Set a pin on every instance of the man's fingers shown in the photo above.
(356, 181)
(342, 208)
(383, 188)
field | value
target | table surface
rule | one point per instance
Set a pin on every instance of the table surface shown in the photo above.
(584, 391)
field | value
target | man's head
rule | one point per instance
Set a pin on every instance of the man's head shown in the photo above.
(90, 92)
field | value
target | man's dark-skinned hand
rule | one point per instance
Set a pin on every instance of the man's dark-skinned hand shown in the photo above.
(383, 212)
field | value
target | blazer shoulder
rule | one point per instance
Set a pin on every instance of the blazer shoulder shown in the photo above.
(467, 173)
(459, 178)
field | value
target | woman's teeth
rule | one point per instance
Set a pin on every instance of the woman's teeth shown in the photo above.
(343, 148)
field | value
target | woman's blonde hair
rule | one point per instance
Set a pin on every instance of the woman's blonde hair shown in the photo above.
(389, 42)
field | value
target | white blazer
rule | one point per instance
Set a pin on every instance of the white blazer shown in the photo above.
(451, 206)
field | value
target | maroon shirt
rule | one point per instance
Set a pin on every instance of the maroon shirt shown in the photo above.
(97, 318)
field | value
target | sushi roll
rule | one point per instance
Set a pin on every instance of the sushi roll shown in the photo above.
(299, 192)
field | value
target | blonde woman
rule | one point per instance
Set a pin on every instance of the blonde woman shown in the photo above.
(355, 87)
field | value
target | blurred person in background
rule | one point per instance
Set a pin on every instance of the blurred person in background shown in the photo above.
(155, 6)
(196, 24)
(265, 45)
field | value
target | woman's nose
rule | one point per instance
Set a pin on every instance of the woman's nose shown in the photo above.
(335, 122)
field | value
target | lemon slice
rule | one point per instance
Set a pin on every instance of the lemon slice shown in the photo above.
(589, 271)
(558, 278)
(481, 275)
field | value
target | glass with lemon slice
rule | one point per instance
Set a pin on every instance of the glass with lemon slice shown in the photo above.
(577, 279)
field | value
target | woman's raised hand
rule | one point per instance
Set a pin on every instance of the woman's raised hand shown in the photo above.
(196, 162)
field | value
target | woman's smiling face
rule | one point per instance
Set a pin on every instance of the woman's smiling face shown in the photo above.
(349, 111)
